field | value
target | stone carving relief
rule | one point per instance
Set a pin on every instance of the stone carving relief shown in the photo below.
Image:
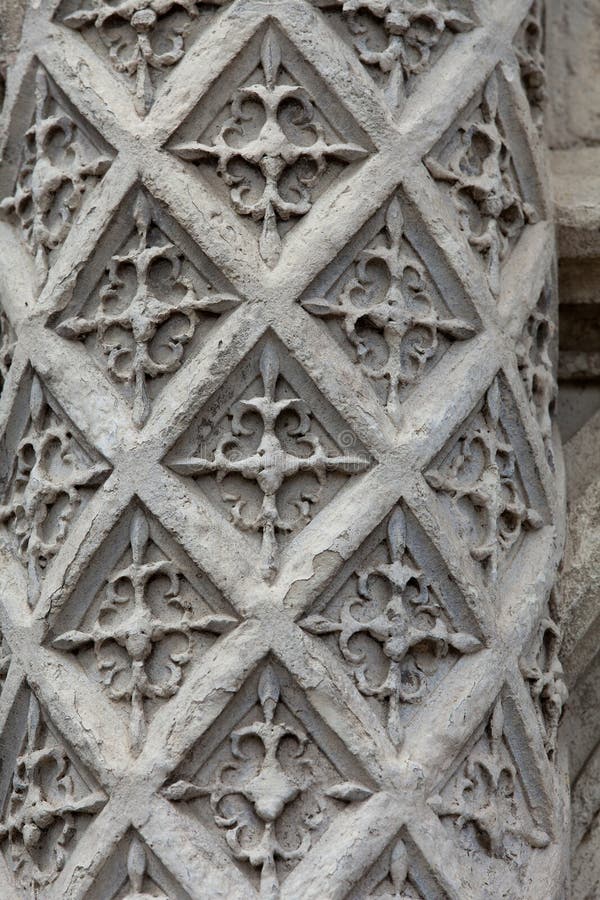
(486, 806)
(397, 884)
(273, 150)
(543, 671)
(477, 167)
(276, 618)
(5, 656)
(405, 624)
(530, 55)
(52, 478)
(398, 40)
(60, 164)
(47, 808)
(142, 39)
(480, 474)
(7, 348)
(137, 864)
(272, 440)
(389, 311)
(143, 317)
(142, 628)
(271, 788)
(536, 367)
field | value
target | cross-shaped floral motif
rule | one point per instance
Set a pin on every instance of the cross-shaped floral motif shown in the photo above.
(57, 165)
(271, 463)
(43, 796)
(412, 30)
(266, 787)
(128, 327)
(141, 35)
(484, 795)
(536, 367)
(273, 153)
(484, 187)
(543, 671)
(482, 469)
(44, 492)
(398, 306)
(411, 629)
(137, 630)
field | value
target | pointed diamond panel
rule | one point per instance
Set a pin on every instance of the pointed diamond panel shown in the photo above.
(47, 801)
(61, 161)
(266, 783)
(151, 308)
(142, 41)
(53, 477)
(475, 168)
(390, 626)
(479, 478)
(144, 625)
(485, 808)
(266, 458)
(398, 40)
(272, 146)
(386, 311)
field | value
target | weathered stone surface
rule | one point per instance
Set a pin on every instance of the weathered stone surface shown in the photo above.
(283, 495)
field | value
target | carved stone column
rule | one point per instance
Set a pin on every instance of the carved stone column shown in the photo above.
(282, 501)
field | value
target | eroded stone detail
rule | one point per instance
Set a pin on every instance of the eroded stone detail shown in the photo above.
(478, 167)
(397, 40)
(47, 805)
(268, 780)
(7, 346)
(285, 430)
(53, 476)
(543, 671)
(482, 469)
(272, 168)
(530, 54)
(408, 623)
(148, 312)
(388, 312)
(60, 164)
(142, 37)
(484, 798)
(128, 633)
(7, 349)
(5, 657)
(536, 367)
